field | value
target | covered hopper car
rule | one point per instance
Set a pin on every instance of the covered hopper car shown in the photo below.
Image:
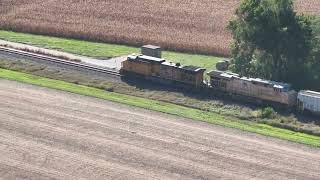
(309, 101)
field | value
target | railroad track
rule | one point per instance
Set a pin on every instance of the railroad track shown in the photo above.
(55, 60)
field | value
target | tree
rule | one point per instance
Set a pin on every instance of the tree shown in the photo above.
(313, 63)
(271, 41)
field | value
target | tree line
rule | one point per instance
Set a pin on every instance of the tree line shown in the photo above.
(274, 42)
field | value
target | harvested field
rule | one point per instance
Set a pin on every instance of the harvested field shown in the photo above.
(49, 134)
(193, 26)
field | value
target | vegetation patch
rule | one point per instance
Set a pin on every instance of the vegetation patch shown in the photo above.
(102, 50)
(268, 113)
(169, 108)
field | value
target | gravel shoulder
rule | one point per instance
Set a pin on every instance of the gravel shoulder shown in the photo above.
(47, 134)
(112, 63)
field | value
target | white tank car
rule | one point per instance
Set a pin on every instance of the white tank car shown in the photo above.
(309, 101)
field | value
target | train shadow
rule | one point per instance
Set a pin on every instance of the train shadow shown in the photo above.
(200, 94)
(221, 98)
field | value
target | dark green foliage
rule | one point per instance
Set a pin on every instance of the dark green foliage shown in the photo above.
(268, 113)
(271, 41)
(313, 63)
(316, 26)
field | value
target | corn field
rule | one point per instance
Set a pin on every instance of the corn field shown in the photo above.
(196, 26)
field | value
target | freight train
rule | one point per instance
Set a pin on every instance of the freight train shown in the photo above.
(160, 70)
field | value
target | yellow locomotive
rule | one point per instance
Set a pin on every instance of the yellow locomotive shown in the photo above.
(157, 68)
(264, 90)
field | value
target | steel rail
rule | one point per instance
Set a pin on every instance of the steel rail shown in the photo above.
(60, 61)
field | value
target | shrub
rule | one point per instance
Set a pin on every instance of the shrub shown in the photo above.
(268, 113)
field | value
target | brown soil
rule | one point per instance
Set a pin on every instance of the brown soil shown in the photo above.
(48, 134)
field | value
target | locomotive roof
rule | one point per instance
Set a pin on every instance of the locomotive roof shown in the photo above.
(193, 69)
(145, 58)
(230, 75)
(150, 59)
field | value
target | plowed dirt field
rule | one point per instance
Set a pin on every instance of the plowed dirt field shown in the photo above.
(47, 134)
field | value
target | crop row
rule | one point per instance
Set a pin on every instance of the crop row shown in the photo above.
(193, 26)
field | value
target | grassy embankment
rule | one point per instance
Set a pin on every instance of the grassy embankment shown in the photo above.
(169, 108)
(102, 50)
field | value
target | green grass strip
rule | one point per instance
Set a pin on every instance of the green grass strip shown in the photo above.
(94, 49)
(163, 107)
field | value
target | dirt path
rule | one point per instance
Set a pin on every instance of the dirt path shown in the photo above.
(112, 63)
(47, 134)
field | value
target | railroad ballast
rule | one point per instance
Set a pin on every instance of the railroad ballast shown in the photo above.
(154, 68)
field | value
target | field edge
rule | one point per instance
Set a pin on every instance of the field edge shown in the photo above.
(102, 50)
(163, 107)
